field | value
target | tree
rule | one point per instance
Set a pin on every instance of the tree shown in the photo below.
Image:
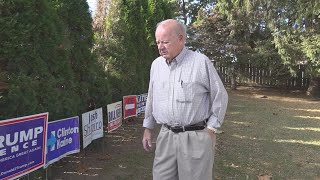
(224, 37)
(126, 43)
(275, 34)
(46, 61)
(296, 28)
(33, 61)
(92, 83)
(188, 9)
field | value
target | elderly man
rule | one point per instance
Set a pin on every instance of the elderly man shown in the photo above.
(188, 98)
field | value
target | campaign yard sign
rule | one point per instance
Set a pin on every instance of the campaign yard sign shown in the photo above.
(141, 103)
(129, 106)
(22, 145)
(63, 138)
(92, 126)
(114, 115)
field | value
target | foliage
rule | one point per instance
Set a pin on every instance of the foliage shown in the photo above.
(89, 74)
(296, 29)
(126, 45)
(276, 35)
(188, 10)
(45, 59)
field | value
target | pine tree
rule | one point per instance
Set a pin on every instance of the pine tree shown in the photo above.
(126, 45)
(91, 81)
(33, 60)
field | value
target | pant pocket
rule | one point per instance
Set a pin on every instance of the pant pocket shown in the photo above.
(196, 145)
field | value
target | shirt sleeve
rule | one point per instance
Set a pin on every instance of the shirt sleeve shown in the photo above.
(149, 121)
(218, 97)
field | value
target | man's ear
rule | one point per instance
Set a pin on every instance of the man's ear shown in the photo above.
(180, 37)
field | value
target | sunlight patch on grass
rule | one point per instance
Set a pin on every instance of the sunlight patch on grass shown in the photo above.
(95, 168)
(263, 96)
(234, 113)
(246, 137)
(308, 117)
(316, 143)
(242, 123)
(232, 165)
(281, 98)
(306, 110)
(303, 129)
(80, 173)
(315, 164)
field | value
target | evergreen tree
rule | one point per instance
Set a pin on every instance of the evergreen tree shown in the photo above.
(224, 35)
(33, 62)
(127, 44)
(280, 34)
(46, 60)
(188, 10)
(91, 81)
(296, 29)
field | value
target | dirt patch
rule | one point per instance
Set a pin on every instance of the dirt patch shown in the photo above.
(118, 155)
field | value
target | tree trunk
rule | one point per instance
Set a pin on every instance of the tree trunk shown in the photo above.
(184, 12)
(314, 87)
(233, 82)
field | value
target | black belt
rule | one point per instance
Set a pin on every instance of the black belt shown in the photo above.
(176, 129)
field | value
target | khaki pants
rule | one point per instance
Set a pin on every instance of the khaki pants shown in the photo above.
(183, 156)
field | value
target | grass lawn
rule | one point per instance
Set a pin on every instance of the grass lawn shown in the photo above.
(269, 134)
(266, 134)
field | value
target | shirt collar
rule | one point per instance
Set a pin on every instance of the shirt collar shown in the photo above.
(179, 58)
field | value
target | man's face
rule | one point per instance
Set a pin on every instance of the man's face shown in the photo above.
(169, 43)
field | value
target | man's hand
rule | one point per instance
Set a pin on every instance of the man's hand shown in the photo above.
(212, 134)
(146, 141)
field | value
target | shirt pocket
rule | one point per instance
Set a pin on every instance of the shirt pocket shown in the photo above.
(184, 92)
(160, 91)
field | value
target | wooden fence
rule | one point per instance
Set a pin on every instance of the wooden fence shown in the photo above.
(247, 74)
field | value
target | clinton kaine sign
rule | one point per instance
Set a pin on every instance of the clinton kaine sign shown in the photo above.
(22, 145)
(63, 139)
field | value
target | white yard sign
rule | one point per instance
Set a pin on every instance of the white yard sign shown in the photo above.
(92, 126)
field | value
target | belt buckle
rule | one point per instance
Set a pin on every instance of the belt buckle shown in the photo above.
(177, 129)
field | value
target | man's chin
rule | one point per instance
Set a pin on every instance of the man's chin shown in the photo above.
(165, 56)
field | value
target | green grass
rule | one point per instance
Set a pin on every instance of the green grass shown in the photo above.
(277, 136)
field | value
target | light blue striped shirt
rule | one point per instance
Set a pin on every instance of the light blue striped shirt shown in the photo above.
(184, 92)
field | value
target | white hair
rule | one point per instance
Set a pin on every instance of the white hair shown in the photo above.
(179, 27)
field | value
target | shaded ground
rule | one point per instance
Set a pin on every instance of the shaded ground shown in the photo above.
(266, 134)
(122, 157)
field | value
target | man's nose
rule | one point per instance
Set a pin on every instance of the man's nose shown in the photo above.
(160, 46)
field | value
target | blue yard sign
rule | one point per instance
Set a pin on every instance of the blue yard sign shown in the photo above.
(22, 145)
(63, 139)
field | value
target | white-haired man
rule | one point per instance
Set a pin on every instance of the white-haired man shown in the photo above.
(188, 98)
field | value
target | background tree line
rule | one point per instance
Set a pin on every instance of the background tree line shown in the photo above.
(273, 35)
(51, 59)
(48, 61)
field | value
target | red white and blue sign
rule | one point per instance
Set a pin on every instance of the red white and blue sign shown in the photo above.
(129, 106)
(22, 145)
(114, 116)
(63, 138)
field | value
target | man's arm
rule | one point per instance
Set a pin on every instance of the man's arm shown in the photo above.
(149, 121)
(146, 141)
(218, 98)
